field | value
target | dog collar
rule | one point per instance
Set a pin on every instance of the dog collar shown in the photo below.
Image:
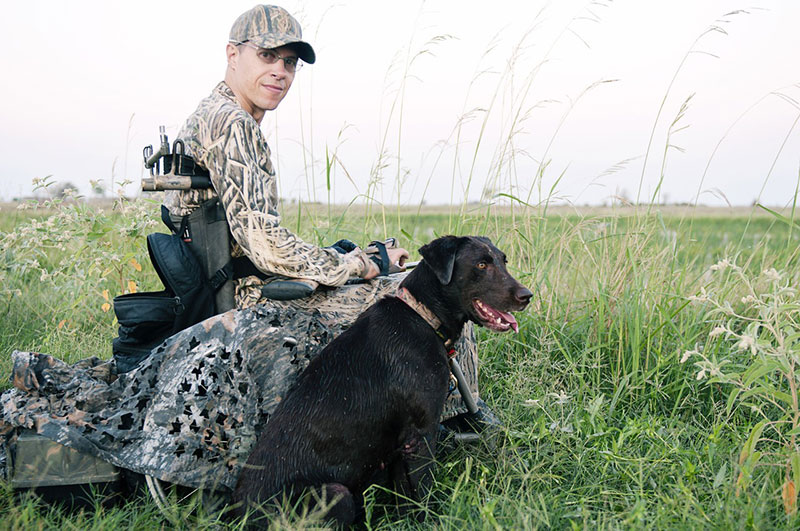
(404, 295)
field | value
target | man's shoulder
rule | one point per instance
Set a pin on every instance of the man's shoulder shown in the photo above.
(217, 115)
(220, 107)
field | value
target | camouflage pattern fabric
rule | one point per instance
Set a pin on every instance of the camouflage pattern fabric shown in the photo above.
(227, 141)
(192, 411)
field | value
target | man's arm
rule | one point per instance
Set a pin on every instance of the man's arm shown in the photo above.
(241, 172)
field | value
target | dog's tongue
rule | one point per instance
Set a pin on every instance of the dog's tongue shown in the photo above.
(494, 319)
(507, 317)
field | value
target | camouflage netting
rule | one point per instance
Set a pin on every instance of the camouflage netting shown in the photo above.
(192, 411)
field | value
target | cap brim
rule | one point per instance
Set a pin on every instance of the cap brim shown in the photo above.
(303, 49)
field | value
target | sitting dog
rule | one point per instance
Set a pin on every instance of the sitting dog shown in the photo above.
(369, 403)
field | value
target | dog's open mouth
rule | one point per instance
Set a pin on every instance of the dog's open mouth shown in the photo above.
(492, 318)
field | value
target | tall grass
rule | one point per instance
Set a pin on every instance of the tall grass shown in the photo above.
(605, 426)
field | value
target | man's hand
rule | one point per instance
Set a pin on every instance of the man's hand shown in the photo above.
(397, 261)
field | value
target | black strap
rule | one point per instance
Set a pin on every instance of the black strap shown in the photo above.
(220, 277)
(168, 220)
(183, 231)
(243, 267)
(383, 261)
(239, 267)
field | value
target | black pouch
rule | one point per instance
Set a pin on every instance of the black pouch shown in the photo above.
(146, 319)
(206, 233)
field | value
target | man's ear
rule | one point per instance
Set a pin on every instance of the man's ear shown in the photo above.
(440, 256)
(232, 54)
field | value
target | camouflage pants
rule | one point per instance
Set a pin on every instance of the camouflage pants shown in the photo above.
(191, 412)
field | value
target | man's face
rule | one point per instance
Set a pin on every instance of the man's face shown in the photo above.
(258, 85)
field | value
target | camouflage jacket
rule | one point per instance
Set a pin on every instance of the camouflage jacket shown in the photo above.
(226, 140)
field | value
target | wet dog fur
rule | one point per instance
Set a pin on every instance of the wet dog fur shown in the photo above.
(367, 407)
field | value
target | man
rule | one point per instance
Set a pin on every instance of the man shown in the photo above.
(264, 51)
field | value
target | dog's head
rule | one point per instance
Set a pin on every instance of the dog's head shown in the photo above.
(473, 271)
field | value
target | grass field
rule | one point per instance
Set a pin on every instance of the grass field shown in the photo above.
(653, 383)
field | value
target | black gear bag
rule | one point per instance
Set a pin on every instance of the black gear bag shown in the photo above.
(146, 319)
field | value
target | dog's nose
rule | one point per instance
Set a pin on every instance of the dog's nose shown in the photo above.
(523, 295)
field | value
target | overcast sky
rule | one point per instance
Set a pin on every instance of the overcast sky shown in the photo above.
(439, 100)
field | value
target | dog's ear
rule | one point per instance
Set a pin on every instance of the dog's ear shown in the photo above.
(440, 256)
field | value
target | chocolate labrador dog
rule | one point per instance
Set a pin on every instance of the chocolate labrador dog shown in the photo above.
(367, 407)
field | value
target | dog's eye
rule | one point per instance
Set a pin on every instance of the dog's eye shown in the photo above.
(481, 265)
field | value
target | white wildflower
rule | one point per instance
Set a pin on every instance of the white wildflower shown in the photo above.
(747, 342)
(561, 397)
(531, 403)
(688, 354)
(772, 274)
(721, 265)
(560, 426)
(701, 374)
(718, 331)
(702, 297)
(749, 299)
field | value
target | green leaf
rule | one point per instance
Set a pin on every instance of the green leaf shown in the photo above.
(719, 479)
(328, 165)
(757, 371)
(778, 216)
(783, 397)
(753, 460)
(732, 399)
(759, 391)
(750, 443)
(792, 338)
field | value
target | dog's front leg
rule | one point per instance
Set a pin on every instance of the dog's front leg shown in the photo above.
(412, 470)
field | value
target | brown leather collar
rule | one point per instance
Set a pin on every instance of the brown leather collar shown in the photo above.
(404, 295)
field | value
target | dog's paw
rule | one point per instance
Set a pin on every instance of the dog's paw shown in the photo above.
(411, 445)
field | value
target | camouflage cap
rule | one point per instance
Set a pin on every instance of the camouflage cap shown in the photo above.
(270, 27)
